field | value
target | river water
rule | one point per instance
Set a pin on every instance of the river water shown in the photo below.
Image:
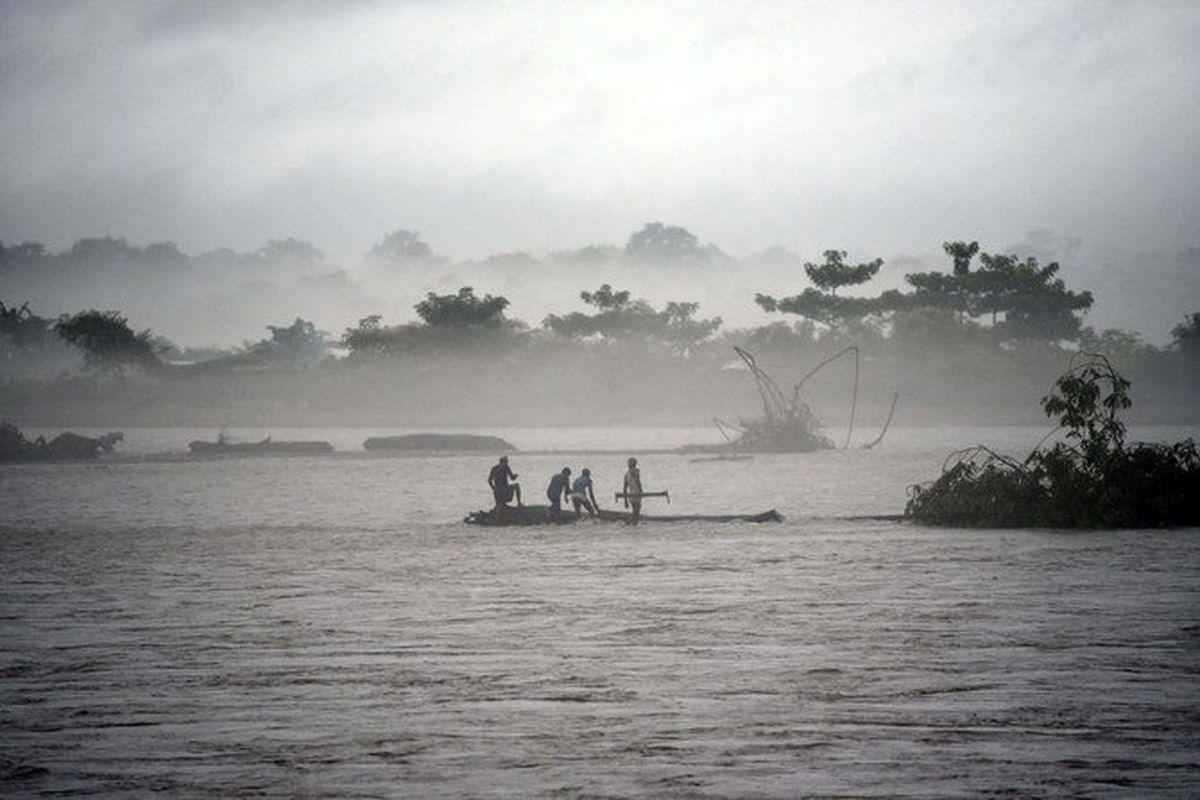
(327, 627)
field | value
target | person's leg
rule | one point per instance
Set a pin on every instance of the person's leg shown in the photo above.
(636, 505)
(516, 490)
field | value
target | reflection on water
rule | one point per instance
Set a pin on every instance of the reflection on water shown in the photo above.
(326, 627)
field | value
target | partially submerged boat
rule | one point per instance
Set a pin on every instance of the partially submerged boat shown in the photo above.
(518, 516)
(265, 447)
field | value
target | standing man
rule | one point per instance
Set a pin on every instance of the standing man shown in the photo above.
(558, 490)
(502, 490)
(580, 491)
(632, 489)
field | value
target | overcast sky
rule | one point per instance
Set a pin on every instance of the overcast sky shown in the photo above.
(883, 127)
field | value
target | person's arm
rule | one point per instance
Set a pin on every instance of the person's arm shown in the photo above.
(512, 475)
(625, 490)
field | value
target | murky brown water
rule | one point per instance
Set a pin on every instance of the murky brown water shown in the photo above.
(326, 628)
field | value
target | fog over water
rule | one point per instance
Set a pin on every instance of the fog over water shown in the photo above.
(491, 129)
(295, 225)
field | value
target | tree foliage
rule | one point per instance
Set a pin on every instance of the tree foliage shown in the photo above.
(1186, 335)
(833, 273)
(655, 241)
(1092, 479)
(619, 318)
(462, 310)
(401, 247)
(824, 305)
(292, 345)
(108, 343)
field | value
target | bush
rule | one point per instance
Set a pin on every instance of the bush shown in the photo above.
(1091, 480)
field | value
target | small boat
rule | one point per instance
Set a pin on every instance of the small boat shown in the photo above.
(266, 447)
(510, 516)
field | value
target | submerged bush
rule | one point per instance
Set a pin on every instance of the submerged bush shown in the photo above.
(1090, 480)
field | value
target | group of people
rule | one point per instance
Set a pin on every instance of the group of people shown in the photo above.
(580, 493)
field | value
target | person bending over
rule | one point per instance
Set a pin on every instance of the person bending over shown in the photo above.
(502, 490)
(558, 490)
(583, 494)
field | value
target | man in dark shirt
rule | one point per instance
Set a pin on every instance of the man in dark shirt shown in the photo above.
(559, 489)
(502, 490)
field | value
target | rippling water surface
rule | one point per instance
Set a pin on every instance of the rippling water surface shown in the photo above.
(326, 627)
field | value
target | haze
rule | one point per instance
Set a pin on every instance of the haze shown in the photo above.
(880, 128)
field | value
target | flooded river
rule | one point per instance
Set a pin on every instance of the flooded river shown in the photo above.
(327, 627)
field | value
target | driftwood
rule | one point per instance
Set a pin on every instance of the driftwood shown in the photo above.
(64, 447)
(520, 516)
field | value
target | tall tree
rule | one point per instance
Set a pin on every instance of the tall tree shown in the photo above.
(664, 243)
(824, 305)
(961, 253)
(401, 247)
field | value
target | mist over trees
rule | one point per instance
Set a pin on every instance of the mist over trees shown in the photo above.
(983, 332)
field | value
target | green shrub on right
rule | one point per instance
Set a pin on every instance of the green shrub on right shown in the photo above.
(1093, 479)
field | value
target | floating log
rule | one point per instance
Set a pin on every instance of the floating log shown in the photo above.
(460, 442)
(519, 516)
(66, 446)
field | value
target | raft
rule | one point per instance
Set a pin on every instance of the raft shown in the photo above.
(513, 516)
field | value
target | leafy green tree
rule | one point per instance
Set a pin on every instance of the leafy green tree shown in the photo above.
(682, 331)
(1025, 300)
(28, 343)
(1036, 304)
(108, 343)
(605, 298)
(834, 273)
(21, 254)
(591, 255)
(463, 310)
(295, 344)
(402, 247)
(1186, 335)
(104, 249)
(961, 253)
(618, 317)
(664, 243)
(289, 251)
(824, 305)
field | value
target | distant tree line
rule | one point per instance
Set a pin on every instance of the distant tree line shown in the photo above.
(991, 301)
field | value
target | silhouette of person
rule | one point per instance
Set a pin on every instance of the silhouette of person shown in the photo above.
(583, 494)
(502, 490)
(559, 489)
(632, 489)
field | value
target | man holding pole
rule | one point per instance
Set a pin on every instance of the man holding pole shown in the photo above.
(632, 489)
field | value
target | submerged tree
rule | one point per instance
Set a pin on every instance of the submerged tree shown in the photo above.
(1093, 479)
